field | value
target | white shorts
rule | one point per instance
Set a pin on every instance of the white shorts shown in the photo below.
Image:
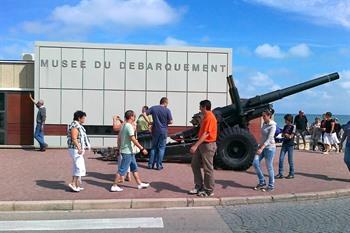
(78, 163)
(330, 139)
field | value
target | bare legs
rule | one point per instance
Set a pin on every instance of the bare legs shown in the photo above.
(120, 179)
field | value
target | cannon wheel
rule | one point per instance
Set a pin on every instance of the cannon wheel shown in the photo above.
(236, 149)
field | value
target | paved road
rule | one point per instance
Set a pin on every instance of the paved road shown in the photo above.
(331, 215)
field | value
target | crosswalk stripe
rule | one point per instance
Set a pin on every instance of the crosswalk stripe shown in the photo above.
(82, 224)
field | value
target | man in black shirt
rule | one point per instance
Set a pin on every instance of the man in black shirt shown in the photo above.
(300, 122)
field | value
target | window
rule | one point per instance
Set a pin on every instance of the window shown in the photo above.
(99, 130)
(2, 138)
(2, 101)
(2, 120)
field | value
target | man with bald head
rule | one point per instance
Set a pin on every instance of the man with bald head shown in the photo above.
(40, 122)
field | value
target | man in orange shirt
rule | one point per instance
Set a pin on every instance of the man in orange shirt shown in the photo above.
(203, 153)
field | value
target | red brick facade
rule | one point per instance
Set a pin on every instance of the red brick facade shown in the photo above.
(61, 130)
(19, 119)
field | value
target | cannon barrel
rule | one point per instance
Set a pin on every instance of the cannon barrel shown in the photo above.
(279, 94)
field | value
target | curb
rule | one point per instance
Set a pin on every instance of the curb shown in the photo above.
(69, 205)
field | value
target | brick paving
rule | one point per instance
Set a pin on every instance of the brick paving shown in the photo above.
(30, 175)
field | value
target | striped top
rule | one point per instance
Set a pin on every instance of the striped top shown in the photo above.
(82, 137)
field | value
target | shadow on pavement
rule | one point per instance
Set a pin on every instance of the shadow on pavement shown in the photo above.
(160, 186)
(101, 176)
(104, 185)
(322, 177)
(53, 184)
(231, 183)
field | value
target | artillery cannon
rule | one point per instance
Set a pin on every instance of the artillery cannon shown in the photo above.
(236, 146)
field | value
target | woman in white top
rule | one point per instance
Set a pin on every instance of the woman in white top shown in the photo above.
(267, 150)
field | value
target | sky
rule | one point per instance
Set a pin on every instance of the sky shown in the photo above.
(275, 43)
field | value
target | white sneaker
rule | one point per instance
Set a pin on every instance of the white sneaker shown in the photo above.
(143, 186)
(80, 188)
(116, 188)
(325, 153)
(73, 188)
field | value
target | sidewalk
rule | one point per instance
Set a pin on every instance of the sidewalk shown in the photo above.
(28, 175)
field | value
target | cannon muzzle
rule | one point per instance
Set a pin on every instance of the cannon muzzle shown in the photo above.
(279, 94)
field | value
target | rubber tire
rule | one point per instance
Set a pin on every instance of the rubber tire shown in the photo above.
(245, 144)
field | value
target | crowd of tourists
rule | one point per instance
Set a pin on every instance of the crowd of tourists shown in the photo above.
(325, 135)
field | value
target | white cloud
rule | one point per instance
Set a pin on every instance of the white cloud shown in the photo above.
(260, 79)
(324, 12)
(113, 15)
(274, 51)
(13, 49)
(345, 79)
(269, 51)
(174, 42)
(300, 50)
(344, 51)
(263, 81)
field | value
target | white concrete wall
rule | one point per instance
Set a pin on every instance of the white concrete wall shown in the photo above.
(72, 80)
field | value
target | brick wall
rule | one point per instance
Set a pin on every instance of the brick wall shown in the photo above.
(254, 128)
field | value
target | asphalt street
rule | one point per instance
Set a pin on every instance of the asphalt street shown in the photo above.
(332, 215)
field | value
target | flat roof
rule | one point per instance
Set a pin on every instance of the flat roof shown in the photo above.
(16, 62)
(131, 47)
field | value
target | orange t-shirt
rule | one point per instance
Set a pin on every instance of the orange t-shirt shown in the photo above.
(209, 125)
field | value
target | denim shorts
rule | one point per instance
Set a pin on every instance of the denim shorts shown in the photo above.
(128, 160)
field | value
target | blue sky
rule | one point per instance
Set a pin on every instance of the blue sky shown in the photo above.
(275, 43)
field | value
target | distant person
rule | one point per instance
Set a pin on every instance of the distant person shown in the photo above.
(40, 122)
(346, 137)
(78, 142)
(300, 121)
(267, 150)
(337, 128)
(143, 124)
(338, 131)
(203, 152)
(162, 117)
(288, 134)
(330, 137)
(316, 133)
(323, 128)
(127, 143)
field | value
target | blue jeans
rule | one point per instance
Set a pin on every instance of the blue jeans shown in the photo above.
(39, 135)
(128, 160)
(284, 150)
(347, 156)
(157, 152)
(268, 154)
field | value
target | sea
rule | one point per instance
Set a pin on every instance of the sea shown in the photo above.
(278, 118)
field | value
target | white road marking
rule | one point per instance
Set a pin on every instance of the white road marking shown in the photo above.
(81, 224)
